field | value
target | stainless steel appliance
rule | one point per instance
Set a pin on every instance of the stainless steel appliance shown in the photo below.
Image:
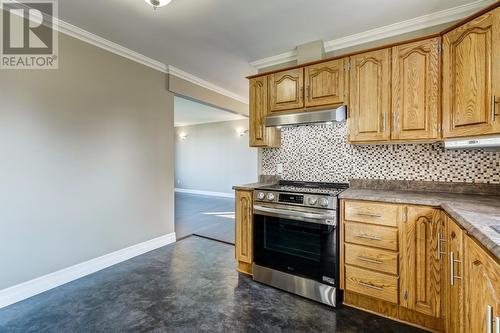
(296, 239)
(338, 114)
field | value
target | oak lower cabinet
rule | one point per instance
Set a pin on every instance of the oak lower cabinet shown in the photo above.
(286, 90)
(370, 96)
(389, 263)
(259, 134)
(420, 266)
(471, 77)
(416, 80)
(437, 277)
(482, 289)
(244, 230)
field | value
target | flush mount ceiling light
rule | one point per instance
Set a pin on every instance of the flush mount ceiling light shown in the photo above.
(157, 3)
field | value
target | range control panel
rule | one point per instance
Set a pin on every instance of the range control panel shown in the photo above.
(296, 199)
(291, 198)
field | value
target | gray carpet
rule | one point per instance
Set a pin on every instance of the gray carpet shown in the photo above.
(190, 286)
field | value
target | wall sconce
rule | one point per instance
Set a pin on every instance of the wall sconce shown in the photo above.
(183, 136)
(241, 131)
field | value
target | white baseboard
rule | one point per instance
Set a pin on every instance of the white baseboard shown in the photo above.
(36, 286)
(210, 193)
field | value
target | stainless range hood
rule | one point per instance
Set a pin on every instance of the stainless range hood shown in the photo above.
(310, 117)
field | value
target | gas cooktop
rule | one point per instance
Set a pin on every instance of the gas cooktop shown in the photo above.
(332, 189)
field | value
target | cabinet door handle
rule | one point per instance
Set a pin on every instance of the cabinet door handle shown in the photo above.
(375, 238)
(452, 268)
(440, 246)
(369, 285)
(494, 103)
(384, 122)
(373, 261)
(489, 318)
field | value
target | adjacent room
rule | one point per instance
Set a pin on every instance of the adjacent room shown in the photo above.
(250, 166)
(211, 155)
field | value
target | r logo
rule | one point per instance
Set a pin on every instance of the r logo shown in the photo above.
(28, 37)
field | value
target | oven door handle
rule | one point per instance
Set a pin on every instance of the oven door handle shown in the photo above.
(327, 219)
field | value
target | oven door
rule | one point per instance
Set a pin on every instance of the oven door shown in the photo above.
(300, 241)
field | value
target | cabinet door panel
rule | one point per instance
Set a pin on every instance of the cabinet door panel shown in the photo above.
(420, 267)
(454, 298)
(370, 92)
(325, 83)
(244, 223)
(482, 289)
(415, 88)
(471, 77)
(260, 135)
(286, 90)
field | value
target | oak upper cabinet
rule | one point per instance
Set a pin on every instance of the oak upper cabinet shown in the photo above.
(420, 267)
(415, 91)
(325, 83)
(370, 96)
(286, 90)
(482, 289)
(244, 227)
(452, 251)
(260, 135)
(471, 77)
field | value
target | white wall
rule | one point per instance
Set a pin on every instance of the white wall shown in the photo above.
(213, 157)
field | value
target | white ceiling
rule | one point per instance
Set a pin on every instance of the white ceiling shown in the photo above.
(187, 112)
(217, 39)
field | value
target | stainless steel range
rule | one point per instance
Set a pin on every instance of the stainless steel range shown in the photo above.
(296, 239)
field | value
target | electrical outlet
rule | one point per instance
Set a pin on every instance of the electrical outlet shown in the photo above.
(178, 181)
(279, 168)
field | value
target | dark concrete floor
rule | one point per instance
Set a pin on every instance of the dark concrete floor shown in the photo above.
(194, 214)
(190, 286)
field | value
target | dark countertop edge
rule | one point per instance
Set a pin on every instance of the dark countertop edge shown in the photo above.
(251, 186)
(478, 235)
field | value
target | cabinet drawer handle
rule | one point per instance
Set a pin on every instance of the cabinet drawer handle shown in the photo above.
(364, 236)
(367, 214)
(371, 286)
(374, 261)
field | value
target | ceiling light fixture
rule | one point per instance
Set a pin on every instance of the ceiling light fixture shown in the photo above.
(157, 3)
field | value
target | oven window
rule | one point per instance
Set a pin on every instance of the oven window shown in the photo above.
(293, 238)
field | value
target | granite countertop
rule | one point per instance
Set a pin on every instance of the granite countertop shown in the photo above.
(251, 186)
(264, 180)
(475, 213)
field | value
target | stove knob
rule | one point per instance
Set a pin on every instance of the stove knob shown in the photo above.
(270, 196)
(261, 195)
(312, 201)
(323, 202)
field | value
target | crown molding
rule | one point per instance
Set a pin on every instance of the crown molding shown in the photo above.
(275, 60)
(172, 70)
(415, 24)
(90, 38)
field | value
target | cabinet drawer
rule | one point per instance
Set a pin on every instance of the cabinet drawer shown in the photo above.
(371, 235)
(367, 257)
(378, 285)
(370, 212)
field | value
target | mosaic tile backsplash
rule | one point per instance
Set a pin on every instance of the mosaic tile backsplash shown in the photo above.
(321, 153)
